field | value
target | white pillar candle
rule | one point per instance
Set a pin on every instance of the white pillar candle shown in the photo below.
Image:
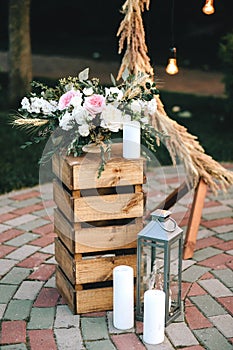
(131, 140)
(123, 297)
(154, 316)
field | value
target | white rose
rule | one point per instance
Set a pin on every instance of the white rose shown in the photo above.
(76, 101)
(83, 130)
(79, 114)
(88, 91)
(111, 118)
(66, 122)
(152, 106)
(126, 118)
(136, 106)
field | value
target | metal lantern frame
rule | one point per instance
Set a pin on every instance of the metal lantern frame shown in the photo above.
(156, 235)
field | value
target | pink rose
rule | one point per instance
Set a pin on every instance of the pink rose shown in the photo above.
(94, 104)
(66, 98)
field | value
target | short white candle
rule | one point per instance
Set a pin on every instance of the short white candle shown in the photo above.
(131, 140)
(123, 297)
(154, 316)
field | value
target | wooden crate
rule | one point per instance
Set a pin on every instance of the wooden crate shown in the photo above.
(97, 221)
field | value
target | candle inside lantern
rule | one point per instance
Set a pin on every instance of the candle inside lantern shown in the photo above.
(154, 316)
(123, 297)
(131, 140)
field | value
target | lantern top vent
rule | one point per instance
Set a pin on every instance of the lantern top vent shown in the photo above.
(160, 214)
(161, 227)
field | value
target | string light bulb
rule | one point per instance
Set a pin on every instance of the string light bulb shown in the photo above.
(172, 64)
(208, 8)
(172, 67)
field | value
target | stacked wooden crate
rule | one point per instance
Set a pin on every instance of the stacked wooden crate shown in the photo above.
(97, 221)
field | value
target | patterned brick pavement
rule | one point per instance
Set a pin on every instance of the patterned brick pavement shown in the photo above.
(34, 316)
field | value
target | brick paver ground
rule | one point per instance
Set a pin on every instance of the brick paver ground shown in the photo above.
(34, 316)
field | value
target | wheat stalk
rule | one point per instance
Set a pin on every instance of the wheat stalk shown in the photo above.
(31, 122)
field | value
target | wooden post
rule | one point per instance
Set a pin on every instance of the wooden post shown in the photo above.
(195, 215)
(194, 220)
(171, 199)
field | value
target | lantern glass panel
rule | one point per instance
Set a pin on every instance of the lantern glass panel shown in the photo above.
(160, 269)
(174, 284)
(159, 260)
(152, 267)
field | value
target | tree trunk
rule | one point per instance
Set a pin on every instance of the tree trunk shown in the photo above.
(20, 62)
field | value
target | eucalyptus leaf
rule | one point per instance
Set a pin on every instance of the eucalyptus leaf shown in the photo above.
(113, 79)
(84, 74)
(125, 74)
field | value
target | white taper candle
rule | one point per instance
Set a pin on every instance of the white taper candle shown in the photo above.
(154, 316)
(131, 140)
(123, 297)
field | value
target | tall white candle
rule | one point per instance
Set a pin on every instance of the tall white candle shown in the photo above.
(154, 316)
(131, 140)
(123, 297)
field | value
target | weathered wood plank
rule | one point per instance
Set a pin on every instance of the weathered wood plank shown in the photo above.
(82, 172)
(90, 269)
(94, 208)
(65, 260)
(194, 219)
(91, 239)
(109, 207)
(98, 299)
(66, 290)
(86, 300)
(100, 269)
(63, 200)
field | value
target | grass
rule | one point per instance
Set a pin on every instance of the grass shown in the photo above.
(208, 120)
(18, 168)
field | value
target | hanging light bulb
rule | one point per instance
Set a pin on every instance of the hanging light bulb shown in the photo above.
(208, 8)
(172, 64)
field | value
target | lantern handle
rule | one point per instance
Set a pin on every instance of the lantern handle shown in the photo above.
(164, 228)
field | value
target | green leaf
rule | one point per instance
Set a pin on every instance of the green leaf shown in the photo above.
(28, 143)
(125, 74)
(113, 79)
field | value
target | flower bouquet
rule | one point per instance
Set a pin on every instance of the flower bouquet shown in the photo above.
(79, 111)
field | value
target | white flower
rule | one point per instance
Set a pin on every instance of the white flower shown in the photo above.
(152, 106)
(145, 120)
(80, 114)
(26, 104)
(35, 105)
(111, 118)
(136, 106)
(48, 107)
(67, 121)
(114, 91)
(76, 101)
(83, 130)
(88, 91)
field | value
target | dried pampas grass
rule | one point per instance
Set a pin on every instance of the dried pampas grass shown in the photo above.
(179, 143)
